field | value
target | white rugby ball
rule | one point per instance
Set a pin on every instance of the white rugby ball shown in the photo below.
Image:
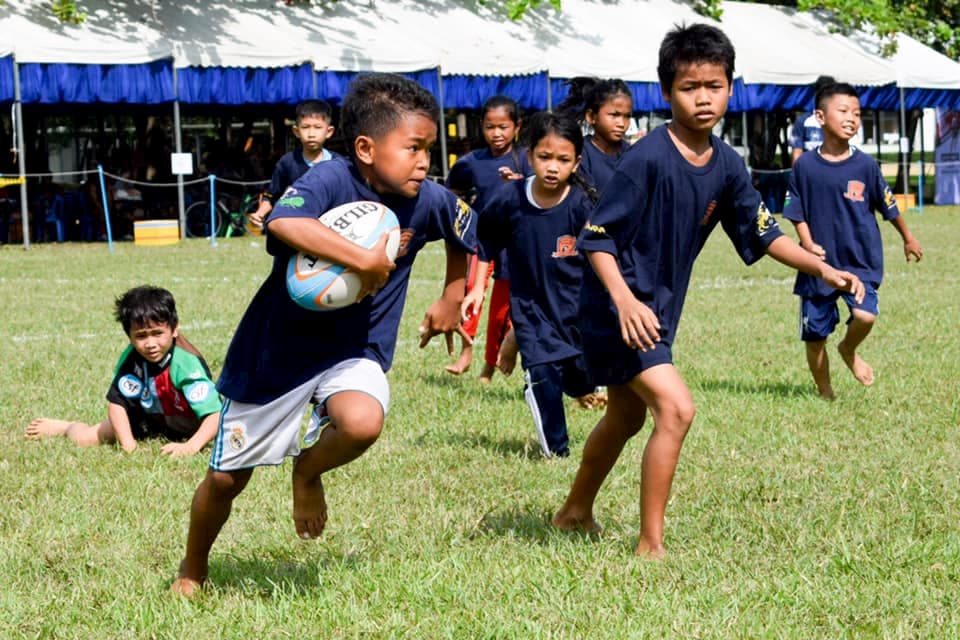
(320, 285)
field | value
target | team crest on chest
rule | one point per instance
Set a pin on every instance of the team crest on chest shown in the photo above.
(566, 247)
(855, 190)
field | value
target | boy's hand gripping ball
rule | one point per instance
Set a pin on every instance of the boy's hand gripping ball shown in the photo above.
(319, 285)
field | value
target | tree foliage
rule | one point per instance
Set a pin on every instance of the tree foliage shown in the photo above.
(936, 23)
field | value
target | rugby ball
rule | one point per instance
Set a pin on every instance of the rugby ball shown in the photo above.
(320, 285)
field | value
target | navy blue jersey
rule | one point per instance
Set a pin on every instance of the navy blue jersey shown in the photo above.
(655, 216)
(545, 267)
(290, 167)
(838, 200)
(596, 166)
(478, 173)
(806, 133)
(279, 344)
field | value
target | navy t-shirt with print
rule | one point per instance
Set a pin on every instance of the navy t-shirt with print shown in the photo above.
(280, 345)
(838, 200)
(545, 267)
(290, 167)
(596, 166)
(655, 215)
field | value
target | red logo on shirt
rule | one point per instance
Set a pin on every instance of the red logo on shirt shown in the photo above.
(566, 247)
(709, 212)
(855, 190)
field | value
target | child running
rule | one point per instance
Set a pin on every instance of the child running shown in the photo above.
(474, 176)
(283, 357)
(314, 125)
(161, 385)
(669, 192)
(833, 194)
(536, 221)
(605, 105)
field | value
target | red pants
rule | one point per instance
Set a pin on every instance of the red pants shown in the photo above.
(498, 320)
(471, 325)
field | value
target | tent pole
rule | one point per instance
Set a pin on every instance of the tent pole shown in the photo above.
(178, 144)
(877, 131)
(746, 146)
(904, 147)
(21, 161)
(549, 93)
(444, 161)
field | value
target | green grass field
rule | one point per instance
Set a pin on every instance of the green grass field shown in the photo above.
(791, 517)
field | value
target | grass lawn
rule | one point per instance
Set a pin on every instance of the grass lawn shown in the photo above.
(790, 517)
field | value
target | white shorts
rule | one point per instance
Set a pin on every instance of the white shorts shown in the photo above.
(252, 435)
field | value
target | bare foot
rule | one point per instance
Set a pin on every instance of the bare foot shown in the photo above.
(566, 522)
(186, 587)
(595, 400)
(309, 507)
(827, 394)
(486, 375)
(42, 427)
(462, 364)
(649, 551)
(861, 370)
(507, 358)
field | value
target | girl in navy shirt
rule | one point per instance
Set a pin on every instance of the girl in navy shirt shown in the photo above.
(536, 221)
(474, 177)
(605, 105)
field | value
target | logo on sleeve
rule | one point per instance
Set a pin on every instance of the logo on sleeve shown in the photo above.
(197, 392)
(130, 386)
(566, 247)
(592, 228)
(888, 199)
(855, 190)
(462, 221)
(765, 221)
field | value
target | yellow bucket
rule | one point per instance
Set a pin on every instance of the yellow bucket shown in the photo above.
(153, 233)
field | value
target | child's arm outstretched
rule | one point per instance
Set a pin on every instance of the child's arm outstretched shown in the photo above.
(911, 247)
(784, 250)
(474, 298)
(205, 433)
(443, 316)
(639, 325)
(120, 423)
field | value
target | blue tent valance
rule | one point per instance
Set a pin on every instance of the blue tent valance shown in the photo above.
(6, 79)
(332, 85)
(470, 92)
(237, 86)
(149, 83)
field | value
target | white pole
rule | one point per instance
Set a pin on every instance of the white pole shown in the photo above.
(904, 147)
(444, 163)
(21, 161)
(178, 143)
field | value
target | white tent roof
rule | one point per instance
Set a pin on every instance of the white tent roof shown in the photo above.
(916, 65)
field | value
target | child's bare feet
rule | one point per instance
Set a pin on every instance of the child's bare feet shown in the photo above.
(827, 393)
(486, 375)
(42, 427)
(507, 357)
(861, 370)
(309, 507)
(568, 522)
(462, 364)
(594, 400)
(650, 551)
(186, 587)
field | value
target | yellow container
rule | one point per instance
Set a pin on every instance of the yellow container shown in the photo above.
(154, 233)
(906, 202)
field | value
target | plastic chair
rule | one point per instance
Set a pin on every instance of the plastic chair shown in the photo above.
(54, 217)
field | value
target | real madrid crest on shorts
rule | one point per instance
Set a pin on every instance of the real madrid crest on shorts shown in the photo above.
(236, 435)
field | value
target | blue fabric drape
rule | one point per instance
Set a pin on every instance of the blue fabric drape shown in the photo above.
(332, 85)
(238, 85)
(470, 92)
(148, 83)
(6, 79)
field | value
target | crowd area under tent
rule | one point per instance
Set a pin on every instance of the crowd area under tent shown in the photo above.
(228, 57)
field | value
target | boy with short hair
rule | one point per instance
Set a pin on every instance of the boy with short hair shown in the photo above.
(669, 192)
(313, 126)
(833, 194)
(161, 385)
(284, 357)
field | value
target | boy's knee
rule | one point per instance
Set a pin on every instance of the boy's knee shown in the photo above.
(863, 317)
(362, 429)
(677, 415)
(358, 417)
(226, 485)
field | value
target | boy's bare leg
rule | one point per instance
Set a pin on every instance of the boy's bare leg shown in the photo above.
(671, 405)
(84, 435)
(486, 374)
(356, 420)
(819, 363)
(859, 328)
(623, 419)
(209, 511)
(462, 364)
(507, 357)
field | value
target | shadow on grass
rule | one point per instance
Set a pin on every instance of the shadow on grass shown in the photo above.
(782, 389)
(269, 576)
(469, 384)
(535, 526)
(524, 449)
